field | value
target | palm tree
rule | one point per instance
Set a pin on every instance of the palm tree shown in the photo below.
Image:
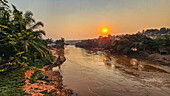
(33, 38)
(21, 39)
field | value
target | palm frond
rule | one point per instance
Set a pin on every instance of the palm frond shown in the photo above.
(28, 18)
(38, 24)
(15, 9)
(39, 50)
(40, 32)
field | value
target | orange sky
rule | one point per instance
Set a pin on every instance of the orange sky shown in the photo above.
(82, 19)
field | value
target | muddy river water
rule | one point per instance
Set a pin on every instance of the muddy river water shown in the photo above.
(90, 73)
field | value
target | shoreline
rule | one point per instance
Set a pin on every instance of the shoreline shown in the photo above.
(48, 82)
(155, 57)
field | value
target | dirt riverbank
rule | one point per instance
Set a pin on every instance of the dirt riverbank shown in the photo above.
(155, 57)
(48, 82)
(162, 59)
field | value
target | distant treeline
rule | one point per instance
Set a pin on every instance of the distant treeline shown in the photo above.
(126, 44)
(156, 32)
(59, 44)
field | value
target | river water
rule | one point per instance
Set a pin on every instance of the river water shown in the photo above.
(90, 73)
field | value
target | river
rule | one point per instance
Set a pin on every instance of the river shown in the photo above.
(90, 73)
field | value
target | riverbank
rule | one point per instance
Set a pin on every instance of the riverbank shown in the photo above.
(46, 81)
(35, 80)
(155, 57)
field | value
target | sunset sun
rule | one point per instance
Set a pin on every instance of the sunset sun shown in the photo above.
(105, 31)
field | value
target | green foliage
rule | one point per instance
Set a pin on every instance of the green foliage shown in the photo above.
(157, 32)
(163, 40)
(127, 44)
(4, 3)
(49, 41)
(39, 63)
(10, 83)
(21, 45)
(88, 44)
(138, 41)
(20, 41)
(33, 78)
(60, 43)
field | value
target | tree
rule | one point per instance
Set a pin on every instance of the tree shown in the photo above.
(21, 39)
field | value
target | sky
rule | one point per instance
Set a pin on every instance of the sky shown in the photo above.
(83, 19)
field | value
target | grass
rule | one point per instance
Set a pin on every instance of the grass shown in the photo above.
(34, 77)
(11, 82)
(39, 63)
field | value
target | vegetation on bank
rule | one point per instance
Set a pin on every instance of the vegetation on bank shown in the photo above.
(21, 42)
(127, 44)
(11, 82)
(21, 47)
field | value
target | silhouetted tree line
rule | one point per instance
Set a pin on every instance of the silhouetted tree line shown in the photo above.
(156, 32)
(127, 44)
(60, 43)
